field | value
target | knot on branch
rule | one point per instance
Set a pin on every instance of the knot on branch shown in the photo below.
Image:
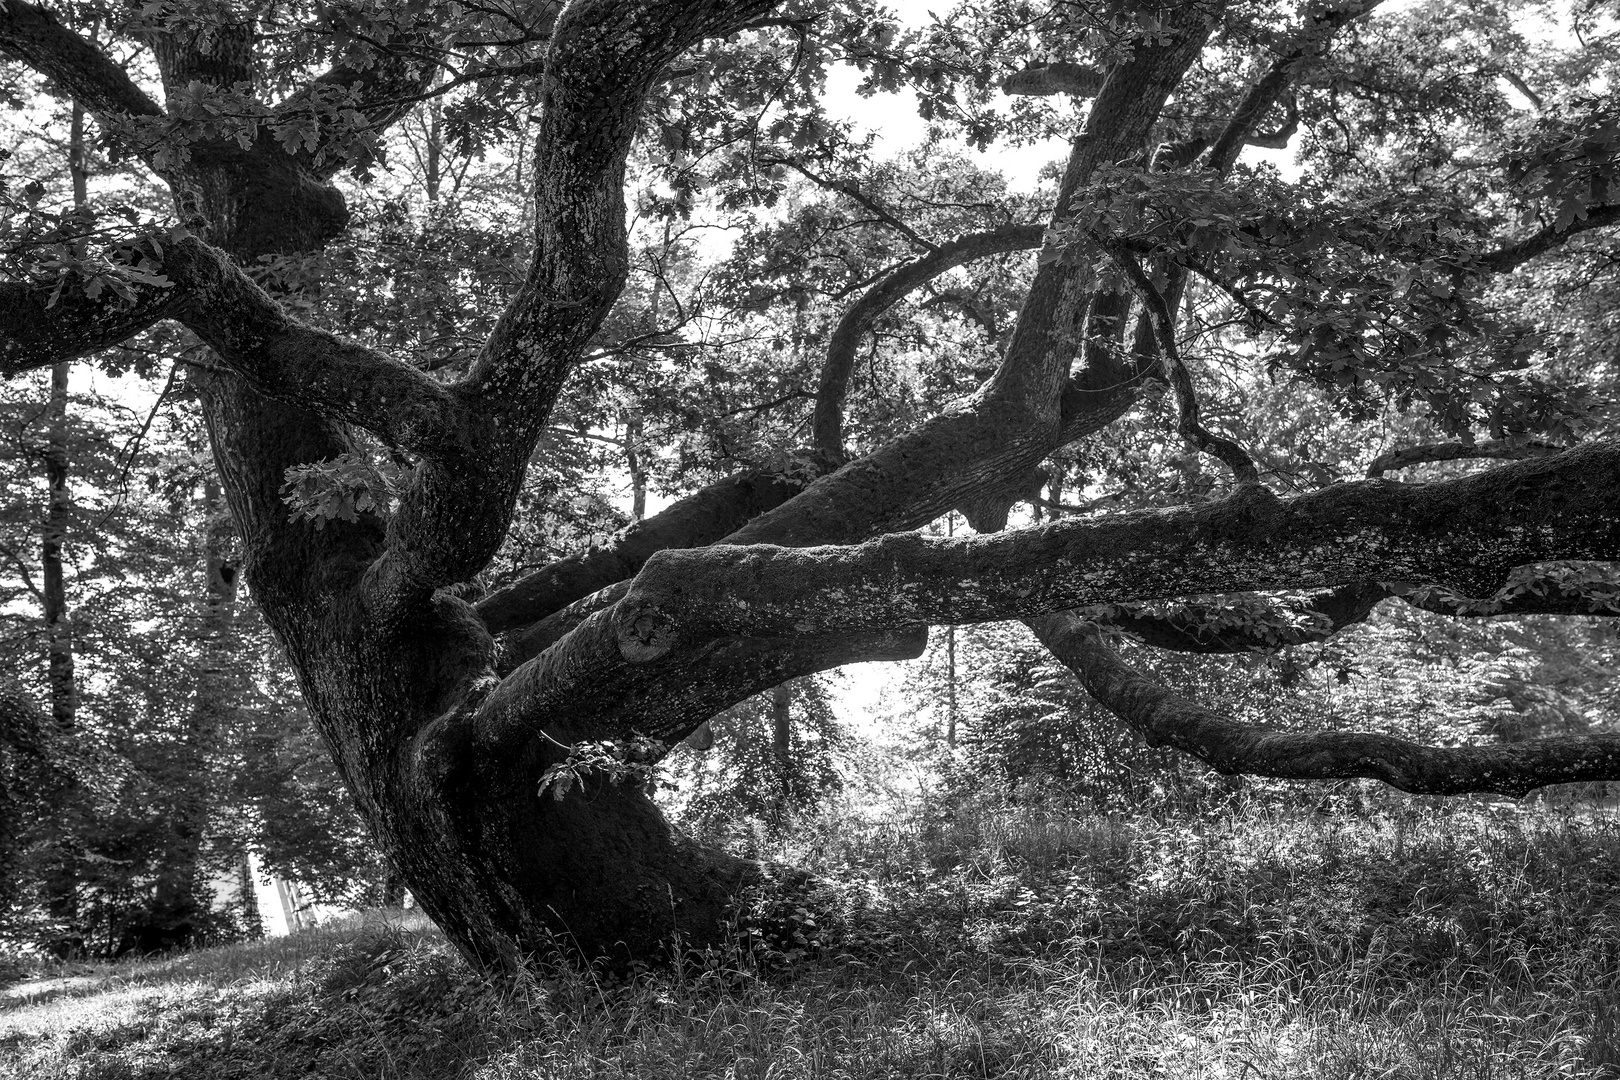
(1250, 514)
(645, 632)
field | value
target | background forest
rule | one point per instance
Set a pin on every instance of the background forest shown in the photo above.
(967, 811)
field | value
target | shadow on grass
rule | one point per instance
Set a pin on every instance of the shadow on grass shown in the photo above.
(1008, 943)
(219, 966)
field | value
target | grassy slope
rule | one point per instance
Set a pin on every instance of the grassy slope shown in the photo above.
(1001, 943)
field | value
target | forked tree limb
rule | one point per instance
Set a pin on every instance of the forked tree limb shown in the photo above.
(1165, 718)
(705, 516)
(603, 59)
(590, 684)
(1466, 534)
(1310, 41)
(1030, 405)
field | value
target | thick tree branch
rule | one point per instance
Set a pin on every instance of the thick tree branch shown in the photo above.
(292, 362)
(585, 679)
(1512, 256)
(701, 518)
(252, 336)
(1465, 534)
(1030, 404)
(828, 419)
(1311, 41)
(604, 58)
(1061, 77)
(1456, 451)
(35, 333)
(32, 35)
(1164, 718)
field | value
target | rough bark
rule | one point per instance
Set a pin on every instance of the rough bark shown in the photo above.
(1063, 77)
(394, 671)
(1464, 534)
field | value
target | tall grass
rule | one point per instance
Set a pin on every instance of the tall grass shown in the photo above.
(990, 941)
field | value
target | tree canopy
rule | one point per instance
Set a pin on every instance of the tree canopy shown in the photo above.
(437, 273)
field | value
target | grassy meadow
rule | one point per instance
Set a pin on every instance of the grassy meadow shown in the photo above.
(1417, 940)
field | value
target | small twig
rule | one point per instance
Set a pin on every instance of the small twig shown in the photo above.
(850, 191)
(134, 447)
(22, 568)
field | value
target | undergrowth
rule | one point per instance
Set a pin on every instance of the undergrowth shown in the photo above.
(994, 942)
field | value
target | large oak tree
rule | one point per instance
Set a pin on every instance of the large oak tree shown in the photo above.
(456, 718)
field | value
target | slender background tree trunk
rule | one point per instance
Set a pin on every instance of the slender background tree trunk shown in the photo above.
(61, 881)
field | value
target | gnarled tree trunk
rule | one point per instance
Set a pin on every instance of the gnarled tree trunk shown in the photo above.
(473, 765)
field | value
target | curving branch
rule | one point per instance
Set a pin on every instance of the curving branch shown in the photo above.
(1154, 336)
(252, 336)
(1457, 451)
(1163, 322)
(603, 58)
(1164, 718)
(827, 422)
(1277, 139)
(1030, 405)
(1309, 42)
(1465, 534)
(1512, 256)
